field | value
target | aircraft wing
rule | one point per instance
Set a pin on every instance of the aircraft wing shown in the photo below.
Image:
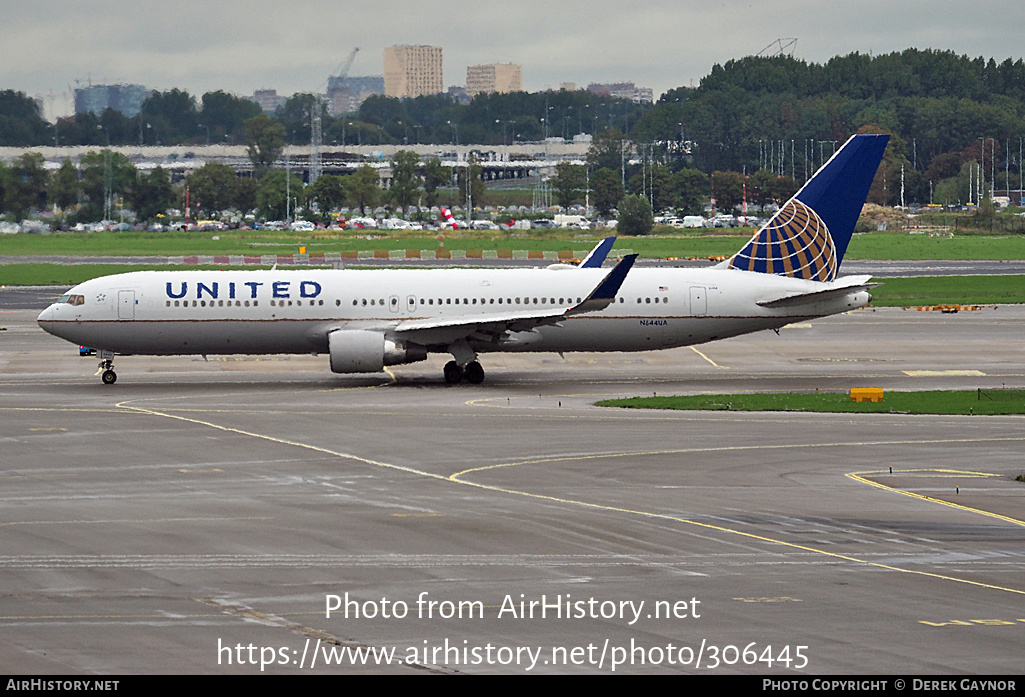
(843, 286)
(451, 329)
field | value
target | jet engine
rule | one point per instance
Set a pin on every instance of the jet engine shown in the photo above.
(360, 351)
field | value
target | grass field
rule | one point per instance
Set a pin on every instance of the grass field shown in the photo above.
(666, 242)
(949, 290)
(894, 292)
(878, 246)
(674, 243)
(979, 402)
(71, 274)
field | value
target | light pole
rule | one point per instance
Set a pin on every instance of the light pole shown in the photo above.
(107, 176)
(982, 170)
(288, 183)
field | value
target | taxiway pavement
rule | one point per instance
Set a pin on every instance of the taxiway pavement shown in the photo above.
(199, 516)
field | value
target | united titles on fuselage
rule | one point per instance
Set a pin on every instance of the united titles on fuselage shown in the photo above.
(213, 290)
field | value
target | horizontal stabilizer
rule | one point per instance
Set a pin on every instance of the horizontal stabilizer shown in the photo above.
(844, 286)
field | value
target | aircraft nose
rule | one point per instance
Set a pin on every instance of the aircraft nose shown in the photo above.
(45, 316)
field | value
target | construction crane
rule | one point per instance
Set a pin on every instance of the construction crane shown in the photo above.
(316, 137)
(343, 68)
(781, 46)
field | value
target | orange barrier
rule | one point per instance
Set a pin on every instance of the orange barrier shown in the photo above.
(949, 309)
(866, 394)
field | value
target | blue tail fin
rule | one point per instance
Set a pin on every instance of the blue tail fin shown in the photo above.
(807, 238)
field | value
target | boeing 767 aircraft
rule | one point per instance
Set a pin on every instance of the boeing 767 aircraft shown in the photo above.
(367, 319)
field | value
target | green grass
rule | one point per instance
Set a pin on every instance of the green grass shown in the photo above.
(901, 246)
(276, 242)
(668, 242)
(982, 402)
(895, 292)
(71, 274)
(664, 242)
(947, 290)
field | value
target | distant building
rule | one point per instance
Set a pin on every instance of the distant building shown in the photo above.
(458, 93)
(345, 94)
(623, 90)
(94, 99)
(412, 71)
(495, 77)
(269, 100)
(568, 86)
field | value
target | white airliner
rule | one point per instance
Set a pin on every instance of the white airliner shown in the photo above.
(367, 319)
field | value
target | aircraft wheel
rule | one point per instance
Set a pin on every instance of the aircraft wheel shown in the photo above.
(453, 373)
(474, 372)
(109, 377)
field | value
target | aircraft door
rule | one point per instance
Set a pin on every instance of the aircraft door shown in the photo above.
(698, 302)
(393, 303)
(126, 304)
(410, 303)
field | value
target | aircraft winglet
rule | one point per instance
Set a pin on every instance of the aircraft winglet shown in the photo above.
(597, 256)
(605, 292)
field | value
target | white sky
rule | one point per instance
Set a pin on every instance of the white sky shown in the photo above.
(239, 46)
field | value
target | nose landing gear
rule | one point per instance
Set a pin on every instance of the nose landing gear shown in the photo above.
(106, 369)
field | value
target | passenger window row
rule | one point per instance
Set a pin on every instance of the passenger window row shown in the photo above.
(213, 303)
(79, 300)
(240, 303)
(311, 303)
(474, 301)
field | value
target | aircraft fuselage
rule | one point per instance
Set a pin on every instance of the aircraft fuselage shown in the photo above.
(266, 312)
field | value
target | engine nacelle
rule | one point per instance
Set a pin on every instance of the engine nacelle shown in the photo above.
(360, 351)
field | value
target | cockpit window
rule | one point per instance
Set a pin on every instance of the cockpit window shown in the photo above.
(72, 299)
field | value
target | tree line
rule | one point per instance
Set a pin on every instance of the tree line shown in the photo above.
(106, 183)
(956, 122)
(942, 109)
(175, 117)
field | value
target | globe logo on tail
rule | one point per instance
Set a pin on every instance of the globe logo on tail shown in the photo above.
(795, 243)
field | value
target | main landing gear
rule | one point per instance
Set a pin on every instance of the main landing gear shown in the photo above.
(465, 366)
(108, 375)
(472, 372)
